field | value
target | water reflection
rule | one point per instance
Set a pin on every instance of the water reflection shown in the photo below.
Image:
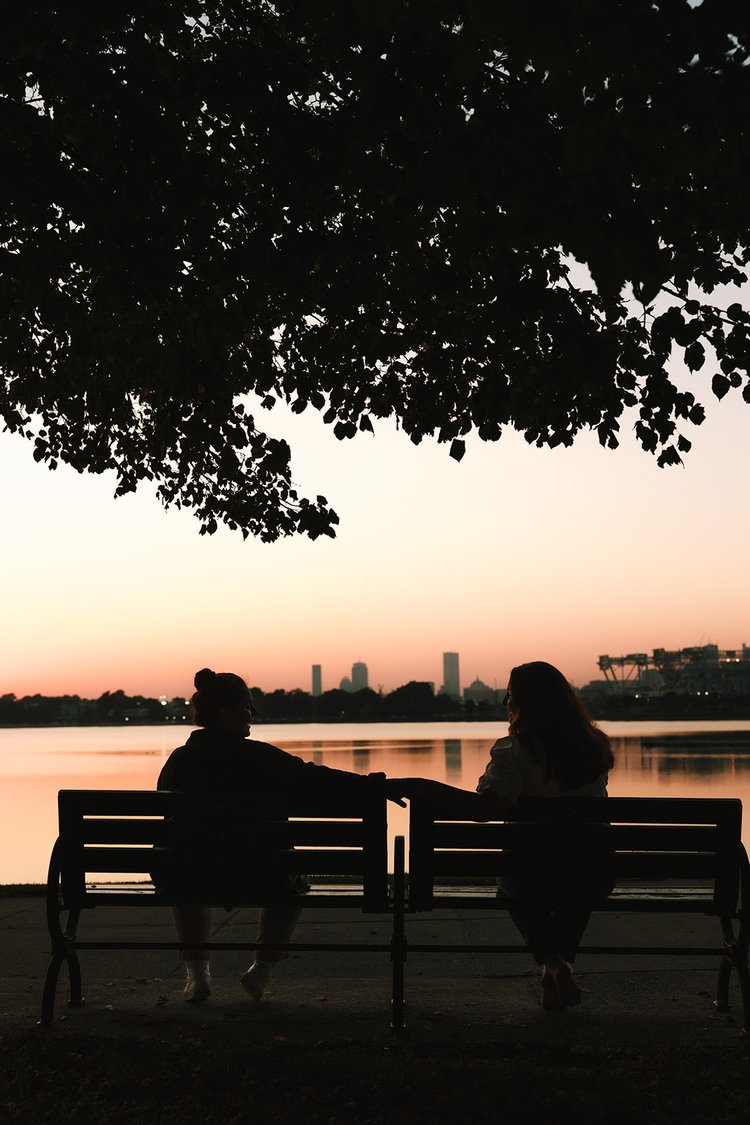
(35, 764)
(452, 758)
(361, 757)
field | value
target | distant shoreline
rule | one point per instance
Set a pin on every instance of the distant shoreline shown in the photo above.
(630, 717)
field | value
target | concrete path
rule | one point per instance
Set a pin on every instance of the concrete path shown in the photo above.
(325, 997)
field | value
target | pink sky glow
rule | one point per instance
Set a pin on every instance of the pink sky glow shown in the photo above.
(514, 554)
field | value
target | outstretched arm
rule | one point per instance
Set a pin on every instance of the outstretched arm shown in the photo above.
(448, 800)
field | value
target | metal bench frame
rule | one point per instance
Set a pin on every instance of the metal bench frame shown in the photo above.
(658, 849)
(106, 832)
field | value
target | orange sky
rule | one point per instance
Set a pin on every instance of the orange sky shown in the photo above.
(514, 554)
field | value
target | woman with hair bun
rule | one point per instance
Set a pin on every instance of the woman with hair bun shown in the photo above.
(221, 758)
(553, 749)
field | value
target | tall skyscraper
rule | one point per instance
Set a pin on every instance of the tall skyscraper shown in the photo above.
(317, 680)
(359, 676)
(451, 678)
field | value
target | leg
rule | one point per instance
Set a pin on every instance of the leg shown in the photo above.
(276, 924)
(553, 935)
(566, 931)
(536, 926)
(559, 989)
(193, 924)
(570, 923)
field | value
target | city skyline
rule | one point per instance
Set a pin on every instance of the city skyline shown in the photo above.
(635, 670)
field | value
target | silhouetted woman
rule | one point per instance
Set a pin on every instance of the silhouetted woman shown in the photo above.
(553, 749)
(220, 758)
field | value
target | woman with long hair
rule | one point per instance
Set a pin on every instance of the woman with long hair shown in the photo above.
(219, 757)
(553, 749)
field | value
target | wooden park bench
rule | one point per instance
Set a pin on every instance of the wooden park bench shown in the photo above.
(668, 856)
(106, 836)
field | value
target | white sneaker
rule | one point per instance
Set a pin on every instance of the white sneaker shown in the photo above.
(198, 987)
(255, 981)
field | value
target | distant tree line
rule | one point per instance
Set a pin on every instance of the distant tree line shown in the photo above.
(111, 708)
(413, 701)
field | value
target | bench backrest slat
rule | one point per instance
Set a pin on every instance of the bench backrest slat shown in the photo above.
(158, 831)
(622, 837)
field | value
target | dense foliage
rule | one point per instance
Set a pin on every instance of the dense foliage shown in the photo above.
(372, 209)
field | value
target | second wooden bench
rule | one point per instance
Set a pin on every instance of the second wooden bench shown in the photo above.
(667, 856)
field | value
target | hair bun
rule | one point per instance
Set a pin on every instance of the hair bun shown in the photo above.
(204, 679)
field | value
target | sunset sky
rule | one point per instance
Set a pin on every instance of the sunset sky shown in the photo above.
(514, 554)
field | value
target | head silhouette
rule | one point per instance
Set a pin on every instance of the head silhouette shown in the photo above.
(216, 693)
(546, 713)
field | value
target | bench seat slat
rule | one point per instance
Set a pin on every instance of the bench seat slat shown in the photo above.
(314, 861)
(320, 900)
(625, 904)
(623, 864)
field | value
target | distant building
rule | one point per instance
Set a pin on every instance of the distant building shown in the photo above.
(346, 684)
(359, 676)
(451, 678)
(477, 692)
(317, 680)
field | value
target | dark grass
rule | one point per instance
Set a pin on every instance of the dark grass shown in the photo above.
(69, 1077)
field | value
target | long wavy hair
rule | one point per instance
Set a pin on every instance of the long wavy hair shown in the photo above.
(546, 714)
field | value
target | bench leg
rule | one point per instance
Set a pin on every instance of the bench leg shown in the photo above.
(721, 1003)
(398, 940)
(736, 957)
(743, 975)
(74, 974)
(62, 952)
(50, 987)
(74, 967)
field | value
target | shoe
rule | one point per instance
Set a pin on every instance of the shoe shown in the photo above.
(551, 1001)
(198, 987)
(567, 989)
(255, 981)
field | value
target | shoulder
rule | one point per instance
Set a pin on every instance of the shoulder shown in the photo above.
(254, 745)
(508, 747)
(180, 765)
(266, 751)
(504, 775)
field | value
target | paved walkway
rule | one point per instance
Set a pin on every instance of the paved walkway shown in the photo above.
(325, 997)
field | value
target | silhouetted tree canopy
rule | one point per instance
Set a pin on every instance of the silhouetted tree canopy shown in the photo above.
(369, 207)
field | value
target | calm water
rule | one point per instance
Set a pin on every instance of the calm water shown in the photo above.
(36, 763)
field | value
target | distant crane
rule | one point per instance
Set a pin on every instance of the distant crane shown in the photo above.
(701, 669)
(624, 671)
